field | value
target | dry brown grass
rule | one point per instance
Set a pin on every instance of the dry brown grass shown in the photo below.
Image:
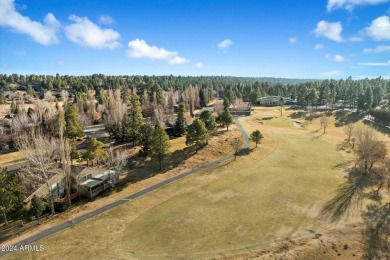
(8, 158)
(262, 206)
(272, 194)
(218, 147)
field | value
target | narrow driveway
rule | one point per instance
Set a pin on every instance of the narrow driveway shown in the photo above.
(96, 212)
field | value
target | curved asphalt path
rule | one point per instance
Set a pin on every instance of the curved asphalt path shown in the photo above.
(96, 212)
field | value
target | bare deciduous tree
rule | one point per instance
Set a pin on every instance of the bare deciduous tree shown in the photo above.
(324, 122)
(116, 110)
(116, 162)
(40, 151)
(65, 96)
(48, 96)
(218, 107)
(369, 149)
(349, 130)
(20, 123)
(66, 160)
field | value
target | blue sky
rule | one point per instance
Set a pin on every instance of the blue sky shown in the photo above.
(269, 38)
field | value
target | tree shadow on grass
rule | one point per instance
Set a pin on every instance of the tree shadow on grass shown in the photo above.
(141, 168)
(297, 115)
(344, 117)
(379, 127)
(342, 165)
(244, 152)
(377, 232)
(348, 195)
(376, 216)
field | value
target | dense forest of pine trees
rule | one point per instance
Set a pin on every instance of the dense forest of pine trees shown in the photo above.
(363, 94)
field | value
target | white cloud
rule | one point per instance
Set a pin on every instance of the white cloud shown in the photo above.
(106, 19)
(87, 34)
(327, 56)
(292, 40)
(60, 62)
(332, 73)
(199, 65)
(374, 63)
(379, 28)
(45, 34)
(19, 53)
(350, 4)
(140, 49)
(378, 49)
(329, 30)
(225, 44)
(339, 58)
(355, 39)
(319, 46)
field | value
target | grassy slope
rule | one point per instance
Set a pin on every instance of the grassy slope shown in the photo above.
(248, 204)
(9, 158)
(253, 203)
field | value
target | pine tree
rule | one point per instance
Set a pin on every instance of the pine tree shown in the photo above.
(160, 144)
(11, 197)
(209, 121)
(73, 129)
(256, 137)
(95, 151)
(145, 140)
(30, 91)
(226, 102)
(135, 119)
(74, 153)
(2, 99)
(13, 107)
(361, 102)
(226, 119)
(180, 125)
(368, 98)
(197, 133)
(37, 207)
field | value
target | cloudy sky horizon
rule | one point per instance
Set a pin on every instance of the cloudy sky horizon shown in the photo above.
(291, 39)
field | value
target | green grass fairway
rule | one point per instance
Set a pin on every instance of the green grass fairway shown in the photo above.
(272, 194)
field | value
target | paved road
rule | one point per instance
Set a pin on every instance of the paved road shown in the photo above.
(96, 212)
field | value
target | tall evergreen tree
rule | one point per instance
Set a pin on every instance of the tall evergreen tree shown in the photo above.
(146, 138)
(2, 98)
(361, 102)
(226, 119)
(160, 144)
(74, 153)
(37, 207)
(135, 120)
(209, 121)
(226, 102)
(180, 124)
(73, 129)
(95, 151)
(197, 133)
(11, 197)
(13, 107)
(202, 98)
(256, 136)
(368, 98)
